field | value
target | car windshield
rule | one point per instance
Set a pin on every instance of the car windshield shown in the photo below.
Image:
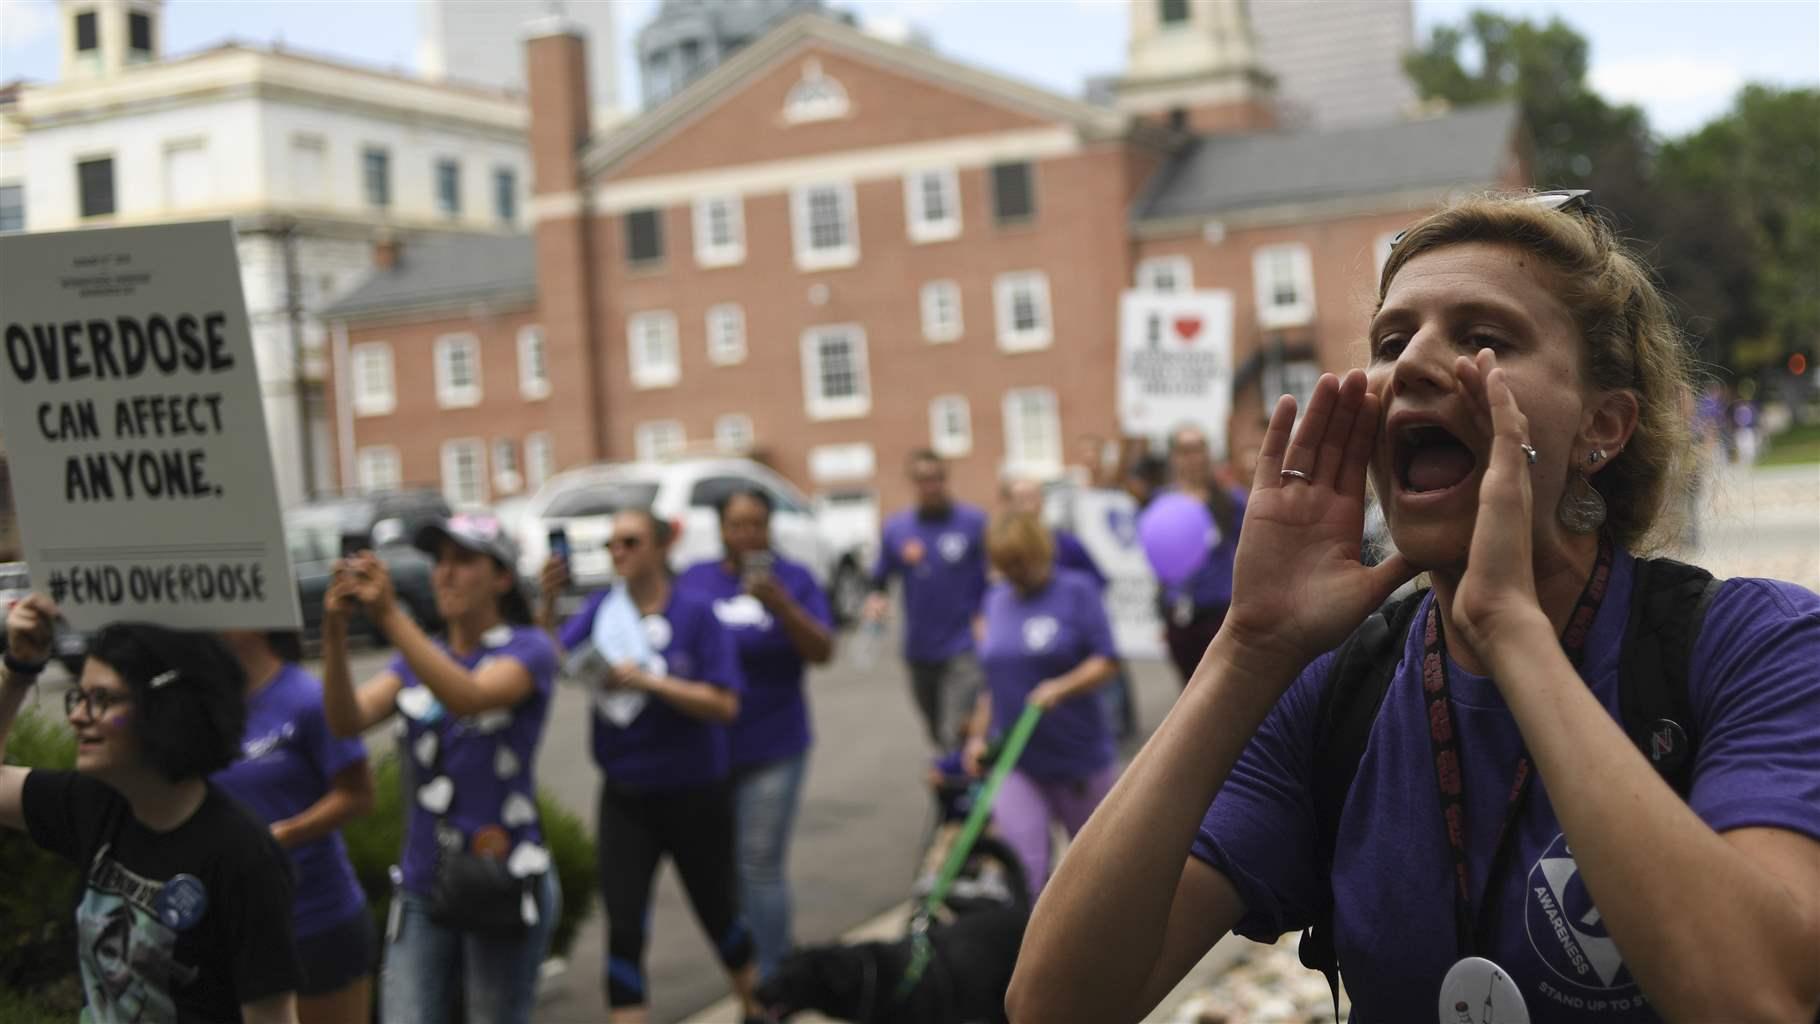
(602, 499)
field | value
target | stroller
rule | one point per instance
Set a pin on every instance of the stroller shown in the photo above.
(971, 904)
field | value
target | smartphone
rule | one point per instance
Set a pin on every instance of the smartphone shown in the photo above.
(351, 545)
(559, 543)
(756, 565)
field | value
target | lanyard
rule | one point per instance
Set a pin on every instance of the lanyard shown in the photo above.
(1445, 741)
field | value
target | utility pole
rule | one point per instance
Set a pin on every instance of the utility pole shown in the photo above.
(293, 314)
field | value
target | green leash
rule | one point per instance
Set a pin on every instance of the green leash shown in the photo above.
(1013, 749)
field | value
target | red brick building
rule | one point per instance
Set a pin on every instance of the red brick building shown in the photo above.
(832, 250)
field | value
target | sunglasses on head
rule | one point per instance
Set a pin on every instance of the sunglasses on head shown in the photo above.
(1564, 200)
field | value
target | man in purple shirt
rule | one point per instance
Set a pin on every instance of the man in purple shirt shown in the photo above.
(939, 549)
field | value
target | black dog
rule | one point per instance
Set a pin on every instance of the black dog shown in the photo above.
(965, 981)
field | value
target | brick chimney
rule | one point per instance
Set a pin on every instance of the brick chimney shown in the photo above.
(556, 72)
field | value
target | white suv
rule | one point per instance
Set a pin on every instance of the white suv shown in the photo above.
(684, 492)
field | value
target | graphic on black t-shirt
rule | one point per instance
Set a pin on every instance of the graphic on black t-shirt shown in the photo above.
(128, 955)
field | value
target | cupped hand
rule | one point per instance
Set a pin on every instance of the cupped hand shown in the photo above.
(1298, 587)
(30, 626)
(1499, 587)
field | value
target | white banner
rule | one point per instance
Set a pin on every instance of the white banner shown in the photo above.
(1175, 363)
(1106, 523)
(131, 408)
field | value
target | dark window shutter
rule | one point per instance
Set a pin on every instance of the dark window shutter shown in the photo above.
(644, 237)
(85, 32)
(96, 181)
(139, 32)
(1013, 199)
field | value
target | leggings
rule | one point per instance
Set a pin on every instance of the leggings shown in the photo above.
(694, 825)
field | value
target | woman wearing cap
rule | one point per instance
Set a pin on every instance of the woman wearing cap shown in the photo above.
(660, 738)
(306, 782)
(474, 703)
(185, 912)
(780, 621)
(1503, 842)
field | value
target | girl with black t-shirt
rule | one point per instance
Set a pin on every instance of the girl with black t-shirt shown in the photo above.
(185, 912)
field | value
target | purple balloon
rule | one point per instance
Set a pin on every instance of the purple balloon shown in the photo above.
(1177, 533)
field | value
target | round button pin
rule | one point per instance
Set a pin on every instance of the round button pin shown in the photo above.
(1666, 745)
(181, 902)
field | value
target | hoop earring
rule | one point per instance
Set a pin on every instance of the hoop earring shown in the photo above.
(1582, 507)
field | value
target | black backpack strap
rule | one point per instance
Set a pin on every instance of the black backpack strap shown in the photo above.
(1668, 602)
(1356, 683)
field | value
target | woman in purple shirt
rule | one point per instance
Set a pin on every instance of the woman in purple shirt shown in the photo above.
(305, 782)
(1047, 642)
(780, 621)
(660, 739)
(474, 702)
(1504, 843)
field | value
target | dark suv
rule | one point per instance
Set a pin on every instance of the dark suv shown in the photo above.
(319, 532)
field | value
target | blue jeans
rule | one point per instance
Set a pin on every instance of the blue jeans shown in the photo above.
(423, 960)
(765, 799)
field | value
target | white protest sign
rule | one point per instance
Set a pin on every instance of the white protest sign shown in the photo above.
(1105, 521)
(1175, 363)
(131, 408)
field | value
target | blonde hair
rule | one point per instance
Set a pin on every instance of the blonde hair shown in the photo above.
(1631, 342)
(1017, 537)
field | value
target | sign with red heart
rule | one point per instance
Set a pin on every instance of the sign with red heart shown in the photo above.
(1186, 327)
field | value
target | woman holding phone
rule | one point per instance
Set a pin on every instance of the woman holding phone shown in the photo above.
(780, 621)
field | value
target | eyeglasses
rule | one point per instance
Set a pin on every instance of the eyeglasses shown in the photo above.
(96, 702)
(1564, 200)
(624, 543)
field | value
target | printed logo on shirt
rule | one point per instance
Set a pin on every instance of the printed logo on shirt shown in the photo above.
(127, 955)
(253, 750)
(1039, 632)
(1122, 524)
(1568, 934)
(953, 547)
(742, 612)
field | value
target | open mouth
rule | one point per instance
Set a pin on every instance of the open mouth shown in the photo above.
(1430, 459)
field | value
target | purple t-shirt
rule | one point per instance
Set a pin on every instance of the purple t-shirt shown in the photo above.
(664, 748)
(943, 563)
(488, 771)
(1037, 638)
(1756, 700)
(773, 719)
(288, 759)
(1211, 584)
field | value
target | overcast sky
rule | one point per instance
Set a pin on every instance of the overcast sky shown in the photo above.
(1681, 60)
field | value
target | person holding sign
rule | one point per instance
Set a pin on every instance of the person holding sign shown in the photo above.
(1584, 787)
(780, 621)
(1048, 642)
(298, 776)
(667, 684)
(185, 910)
(476, 898)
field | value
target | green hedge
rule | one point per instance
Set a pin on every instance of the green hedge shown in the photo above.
(37, 901)
(374, 843)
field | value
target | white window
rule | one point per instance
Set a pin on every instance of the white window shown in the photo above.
(1166, 274)
(1033, 432)
(822, 226)
(533, 370)
(506, 478)
(1284, 277)
(1023, 310)
(726, 334)
(651, 337)
(815, 97)
(932, 205)
(540, 459)
(720, 231)
(733, 433)
(950, 426)
(1295, 377)
(829, 462)
(186, 175)
(457, 371)
(835, 382)
(657, 439)
(373, 394)
(1380, 252)
(464, 471)
(376, 469)
(941, 301)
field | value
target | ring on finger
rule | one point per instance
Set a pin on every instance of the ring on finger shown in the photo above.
(1528, 453)
(1297, 474)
